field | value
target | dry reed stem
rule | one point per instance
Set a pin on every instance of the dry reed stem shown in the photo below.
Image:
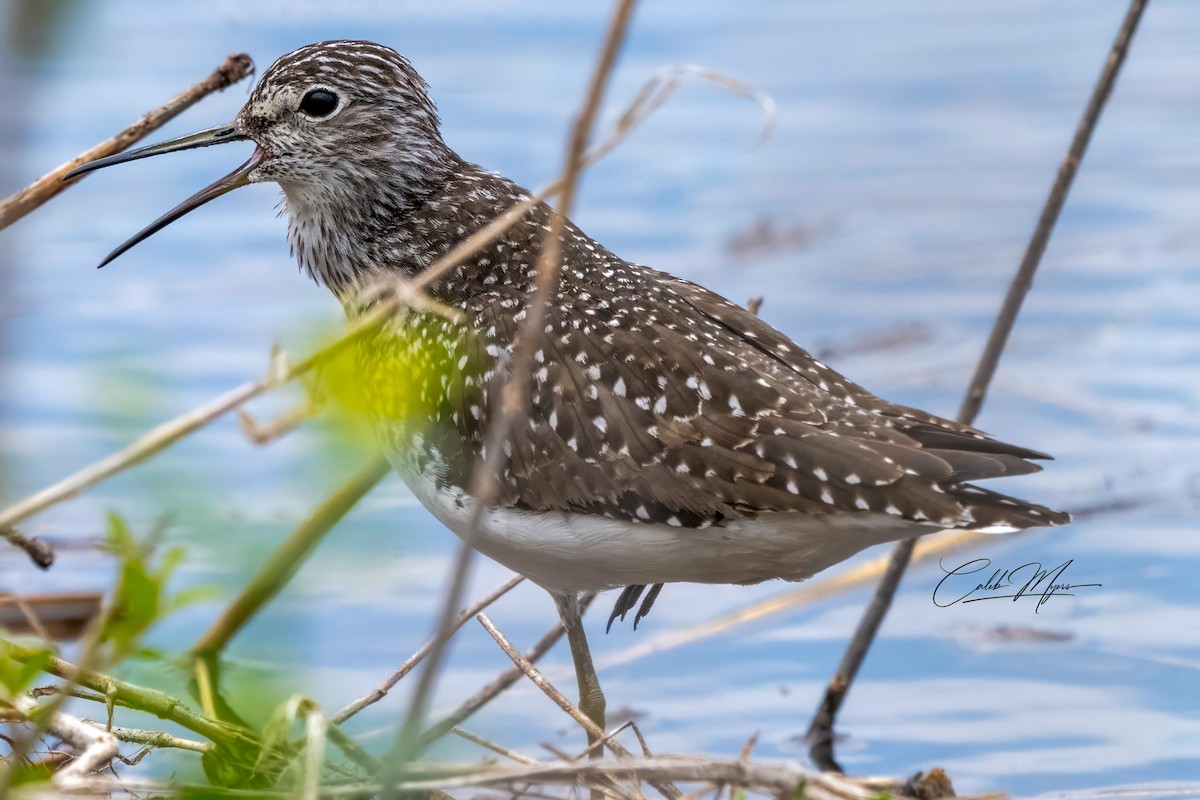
(147, 445)
(595, 733)
(262, 434)
(314, 754)
(510, 405)
(30, 616)
(352, 749)
(531, 672)
(820, 732)
(786, 780)
(502, 682)
(234, 68)
(781, 780)
(381, 691)
(493, 746)
(602, 741)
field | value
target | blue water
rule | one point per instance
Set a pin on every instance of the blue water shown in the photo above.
(914, 145)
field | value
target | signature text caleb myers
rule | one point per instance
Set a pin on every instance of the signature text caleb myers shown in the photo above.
(963, 585)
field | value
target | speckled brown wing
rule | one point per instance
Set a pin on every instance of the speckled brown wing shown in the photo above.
(656, 400)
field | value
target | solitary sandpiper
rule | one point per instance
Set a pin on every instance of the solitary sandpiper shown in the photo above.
(672, 435)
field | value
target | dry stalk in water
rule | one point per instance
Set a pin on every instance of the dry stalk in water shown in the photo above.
(493, 690)
(820, 732)
(380, 691)
(666, 788)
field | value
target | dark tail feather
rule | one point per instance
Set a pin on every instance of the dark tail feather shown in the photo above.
(986, 509)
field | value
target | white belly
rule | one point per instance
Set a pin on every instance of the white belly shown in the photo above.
(566, 552)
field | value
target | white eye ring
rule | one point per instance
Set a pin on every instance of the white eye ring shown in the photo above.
(320, 103)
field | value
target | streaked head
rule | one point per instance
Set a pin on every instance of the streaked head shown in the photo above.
(339, 124)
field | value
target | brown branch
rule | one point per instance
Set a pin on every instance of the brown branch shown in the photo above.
(263, 434)
(512, 755)
(531, 672)
(779, 780)
(820, 732)
(151, 443)
(38, 551)
(380, 691)
(494, 689)
(232, 69)
(595, 733)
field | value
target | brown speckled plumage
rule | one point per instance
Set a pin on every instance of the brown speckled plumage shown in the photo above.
(655, 403)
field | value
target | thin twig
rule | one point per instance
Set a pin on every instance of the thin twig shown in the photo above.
(93, 747)
(380, 691)
(157, 739)
(232, 69)
(494, 689)
(820, 732)
(27, 613)
(513, 397)
(641, 739)
(539, 680)
(782, 780)
(150, 701)
(352, 749)
(48, 713)
(38, 551)
(284, 562)
(263, 434)
(149, 444)
(495, 748)
(595, 733)
(600, 743)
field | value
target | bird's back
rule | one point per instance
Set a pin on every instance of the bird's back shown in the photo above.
(656, 401)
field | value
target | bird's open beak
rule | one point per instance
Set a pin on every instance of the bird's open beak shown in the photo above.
(234, 180)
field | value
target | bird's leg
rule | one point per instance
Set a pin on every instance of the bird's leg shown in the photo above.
(591, 697)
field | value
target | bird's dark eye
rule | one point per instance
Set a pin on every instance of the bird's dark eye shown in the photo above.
(319, 103)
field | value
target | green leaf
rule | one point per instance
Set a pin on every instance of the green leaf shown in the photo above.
(193, 595)
(170, 562)
(29, 774)
(16, 676)
(120, 537)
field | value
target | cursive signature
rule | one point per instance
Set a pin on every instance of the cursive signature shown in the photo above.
(1027, 580)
